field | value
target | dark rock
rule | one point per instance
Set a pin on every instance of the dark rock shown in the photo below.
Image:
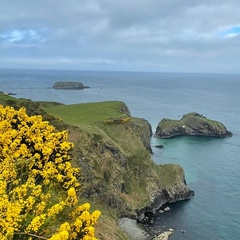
(69, 85)
(159, 146)
(191, 124)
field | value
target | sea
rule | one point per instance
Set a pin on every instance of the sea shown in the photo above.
(211, 165)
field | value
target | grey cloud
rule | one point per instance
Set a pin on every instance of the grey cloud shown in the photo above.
(126, 35)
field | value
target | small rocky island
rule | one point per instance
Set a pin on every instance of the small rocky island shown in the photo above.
(191, 124)
(69, 85)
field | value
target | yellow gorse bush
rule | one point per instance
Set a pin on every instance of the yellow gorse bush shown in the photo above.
(38, 198)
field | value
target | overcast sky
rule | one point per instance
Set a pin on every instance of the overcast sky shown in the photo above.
(125, 35)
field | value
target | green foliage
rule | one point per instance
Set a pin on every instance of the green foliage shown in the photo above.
(107, 175)
(96, 137)
(86, 113)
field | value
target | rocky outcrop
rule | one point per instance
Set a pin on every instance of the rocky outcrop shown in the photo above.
(69, 85)
(173, 188)
(159, 146)
(144, 130)
(165, 235)
(124, 109)
(192, 124)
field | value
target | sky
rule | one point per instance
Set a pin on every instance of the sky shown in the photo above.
(122, 35)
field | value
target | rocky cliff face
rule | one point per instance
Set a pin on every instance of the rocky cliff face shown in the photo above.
(192, 124)
(172, 189)
(117, 169)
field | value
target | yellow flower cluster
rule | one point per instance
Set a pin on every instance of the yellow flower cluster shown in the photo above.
(34, 140)
(38, 183)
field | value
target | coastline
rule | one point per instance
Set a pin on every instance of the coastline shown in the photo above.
(136, 232)
(133, 229)
(204, 161)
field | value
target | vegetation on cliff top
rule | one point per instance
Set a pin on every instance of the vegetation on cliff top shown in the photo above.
(87, 113)
(118, 175)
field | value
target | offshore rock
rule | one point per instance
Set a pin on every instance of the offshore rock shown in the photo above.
(191, 124)
(165, 235)
(159, 146)
(69, 85)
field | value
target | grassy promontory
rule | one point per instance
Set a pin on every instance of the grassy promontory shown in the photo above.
(112, 149)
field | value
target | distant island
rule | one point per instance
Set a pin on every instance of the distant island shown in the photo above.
(69, 85)
(191, 124)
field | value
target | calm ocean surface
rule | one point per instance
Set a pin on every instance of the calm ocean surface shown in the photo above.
(212, 166)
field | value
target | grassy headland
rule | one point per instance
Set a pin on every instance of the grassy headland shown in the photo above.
(86, 113)
(112, 149)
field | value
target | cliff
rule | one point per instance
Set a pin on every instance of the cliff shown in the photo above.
(118, 175)
(192, 124)
(69, 85)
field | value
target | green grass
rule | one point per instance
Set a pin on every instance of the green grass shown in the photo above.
(170, 174)
(86, 113)
(6, 97)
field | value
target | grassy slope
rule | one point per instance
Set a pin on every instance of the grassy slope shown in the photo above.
(116, 168)
(90, 117)
(107, 227)
(4, 98)
(86, 113)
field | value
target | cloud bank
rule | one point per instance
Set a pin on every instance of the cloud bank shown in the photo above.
(140, 35)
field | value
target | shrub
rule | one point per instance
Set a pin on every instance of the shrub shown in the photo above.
(38, 185)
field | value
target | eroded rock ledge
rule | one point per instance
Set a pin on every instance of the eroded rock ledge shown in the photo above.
(191, 124)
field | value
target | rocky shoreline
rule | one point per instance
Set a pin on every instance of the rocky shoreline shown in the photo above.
(133, 229)
(137, 232)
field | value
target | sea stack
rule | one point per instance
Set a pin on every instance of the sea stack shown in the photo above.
(191, 124)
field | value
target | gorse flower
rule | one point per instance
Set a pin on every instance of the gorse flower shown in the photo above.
(38, 183)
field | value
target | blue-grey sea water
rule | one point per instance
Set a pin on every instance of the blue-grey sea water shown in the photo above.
(212, 166)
